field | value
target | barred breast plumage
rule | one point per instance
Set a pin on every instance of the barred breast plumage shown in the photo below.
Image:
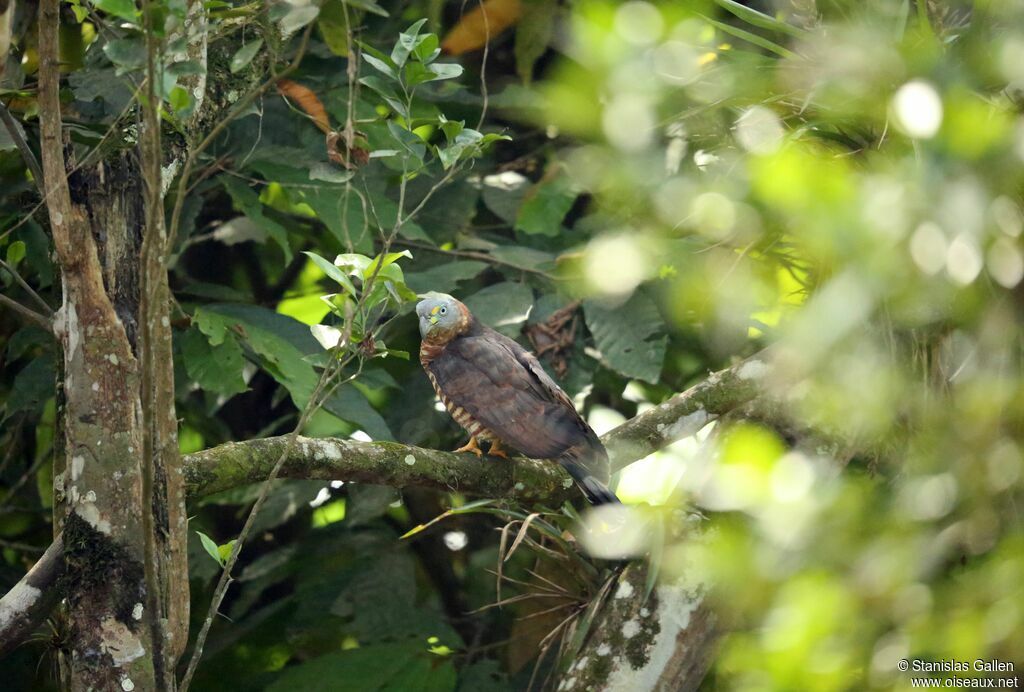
(459, 414)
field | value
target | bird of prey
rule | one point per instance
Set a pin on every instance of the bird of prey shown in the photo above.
(498, 392)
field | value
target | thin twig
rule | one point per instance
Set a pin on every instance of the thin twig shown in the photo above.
(483, 66)
(22, 547)
(470, 254)
(225, 576)
(27, 313)
(26, 152)
(13, 490)
(47, 310)
(240, 106)
(86, 160)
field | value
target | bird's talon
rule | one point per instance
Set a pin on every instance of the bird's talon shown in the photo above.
(471, 446)
(497, 451)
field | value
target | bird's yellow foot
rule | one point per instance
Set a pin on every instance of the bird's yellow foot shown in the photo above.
(497, 451)
(471, 446)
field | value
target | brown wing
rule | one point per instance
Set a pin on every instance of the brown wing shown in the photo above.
(504, 388)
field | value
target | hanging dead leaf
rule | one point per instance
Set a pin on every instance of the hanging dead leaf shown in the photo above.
(349, 157)
(308, 101)
(483, 22)
(554, 337)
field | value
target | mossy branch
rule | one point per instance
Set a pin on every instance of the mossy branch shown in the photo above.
(390, 463)
(524, 480)
(380, 463)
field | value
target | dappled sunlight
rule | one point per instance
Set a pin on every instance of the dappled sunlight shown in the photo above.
(770, 251)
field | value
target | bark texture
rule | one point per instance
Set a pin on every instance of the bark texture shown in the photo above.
(6, 23)
(97, 217)
(663, 641)
(25, 606)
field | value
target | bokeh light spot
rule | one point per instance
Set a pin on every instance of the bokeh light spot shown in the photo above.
(918, 109)
(759, 130)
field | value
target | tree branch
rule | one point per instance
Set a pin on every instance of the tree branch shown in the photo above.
(27, 313)
(381, 463)
(686, 412)
(524, 480)
(390, 463)
(19, 140)
(31, 600)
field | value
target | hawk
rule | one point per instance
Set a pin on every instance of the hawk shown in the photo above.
(498, 392)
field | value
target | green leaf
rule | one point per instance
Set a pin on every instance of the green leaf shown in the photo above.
(224, 551)
(503, 194)
(417, 73)
(184, 68)
(126, 53)
(451, 128)
(329, 173)
(352, 263)
(385, 261)
(751, 38)
(350, 404)
(445, 70)
(344, 216)
(125, 9)
(280, 343)
(465, 143)
(523, 257)
(384, 667)
(244, 55)
(504, 306)
(759, 19)
(407, 41)
(334, 27)
(369, 6)
(180, 100)
(26, 339)
(210, 546)
(283, 344)
(306, 309)
(33, 385)
(81, 13)
(297, 17)
(444, 278)
(15, 252)
(332, 271)
(427, 48)
(387, 214)
(380, 65)
(368, 502)
(545, 205)
(37, 248)
(248, 202)
(6, 141)
(217, 370)
(533, 35)
(408, 141)
(629, 337)
(387, 92)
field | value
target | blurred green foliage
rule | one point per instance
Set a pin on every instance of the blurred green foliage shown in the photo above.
(839, 179)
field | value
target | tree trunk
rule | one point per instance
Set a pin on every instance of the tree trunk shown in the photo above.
(662, 642)
(113, 529)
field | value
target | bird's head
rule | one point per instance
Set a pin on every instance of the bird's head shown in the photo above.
(441, 315)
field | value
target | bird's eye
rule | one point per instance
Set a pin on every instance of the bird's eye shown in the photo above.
(444, 310)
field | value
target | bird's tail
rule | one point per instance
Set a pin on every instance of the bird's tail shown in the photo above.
(595, 489)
